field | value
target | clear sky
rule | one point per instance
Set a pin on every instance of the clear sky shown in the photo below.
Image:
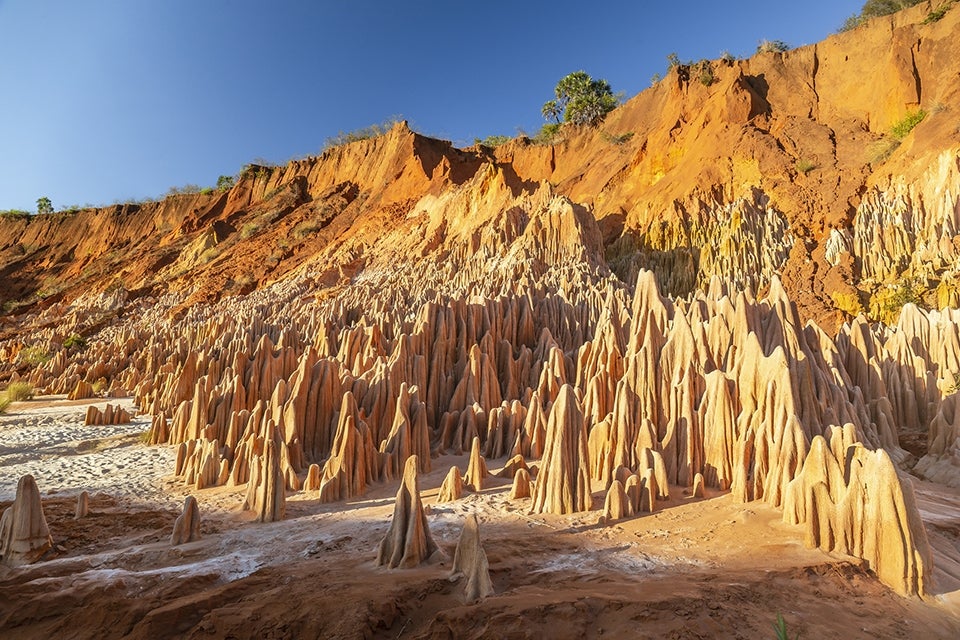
(106, 100)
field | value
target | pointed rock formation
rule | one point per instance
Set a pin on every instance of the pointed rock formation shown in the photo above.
(266, 494)
(858, 505)
(617, 505)
(408, 542)
(81, 391)
(108, 415)
(470, 561)
(24, 535)
(452, 487)
(352, 465)
(476, 468)
(312, 483)
(563, 484)
(513, 465)
(521, 485)
(83, 505)
(186, 528)
(698, 486)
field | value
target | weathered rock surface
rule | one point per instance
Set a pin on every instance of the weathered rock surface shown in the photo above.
(186, 528)
(452, 487)
(108, 415)
(408, 542)
(563, 484)
(470, 562)
(24, 535)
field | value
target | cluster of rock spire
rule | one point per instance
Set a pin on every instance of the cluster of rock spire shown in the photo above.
(548, 365)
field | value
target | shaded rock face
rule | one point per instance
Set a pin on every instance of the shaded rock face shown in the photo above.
(470, 562)
(24, 535)
(452, 487)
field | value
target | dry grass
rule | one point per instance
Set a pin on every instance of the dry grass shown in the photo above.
(18, 391)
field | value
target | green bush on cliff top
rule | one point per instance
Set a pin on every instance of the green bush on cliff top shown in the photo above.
(901, 129)
(875, 9)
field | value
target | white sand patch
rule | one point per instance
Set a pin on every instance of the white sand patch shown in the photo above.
(64, 456)
(626, 559)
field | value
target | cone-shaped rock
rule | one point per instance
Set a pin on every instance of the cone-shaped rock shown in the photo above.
(617, 505)
(24, 535)
(83, 505)
(452, 487)
(187, 526)
(521, 485)
(476, 468)
(408, 543)
(563, 485)
(470, 561)
(698, 486)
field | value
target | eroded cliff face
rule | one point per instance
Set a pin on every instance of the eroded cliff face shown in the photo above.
(783, 164)
(628, 310)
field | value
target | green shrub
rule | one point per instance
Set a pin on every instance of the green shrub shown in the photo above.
(249, 230)
(772, 46)
(75, 341)
(850, 23)
(617, 139)
(877, 8)
(225, 183)
(206, 191)
(16, 214)
(937, 14)
(493, 141)
(902, 129)
(780, 628)
(548, 133)
(44, 205)
(364, 133)
(580, 99)
(306, 228)
(806, 166)
(880, 151)
(259, 169)
(34, 356)
(209, 255)
(705, 73)
(18, 391)
(4, 402)
(887, 302)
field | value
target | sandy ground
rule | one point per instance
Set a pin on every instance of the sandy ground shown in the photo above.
(47, 438)
(697, 568)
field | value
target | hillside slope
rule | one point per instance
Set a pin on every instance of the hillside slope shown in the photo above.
(783, 164)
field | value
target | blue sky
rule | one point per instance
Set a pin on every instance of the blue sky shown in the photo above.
(108, 100)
